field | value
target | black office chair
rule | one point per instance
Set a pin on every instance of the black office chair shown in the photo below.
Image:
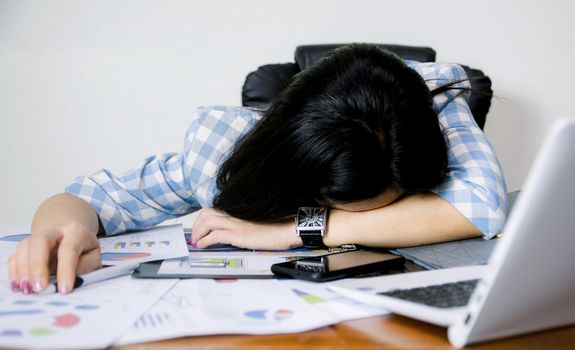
(265, 83)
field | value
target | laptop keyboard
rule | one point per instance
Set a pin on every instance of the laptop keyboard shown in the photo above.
(443, 296)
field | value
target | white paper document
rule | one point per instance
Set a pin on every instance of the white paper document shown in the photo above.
(324, 300)
(128, 310)
(13, 234)
(204, 307)
(162, 242)
(91, 317)
(230, 264)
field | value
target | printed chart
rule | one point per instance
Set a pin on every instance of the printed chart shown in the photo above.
(162, 242)
(274, 315)
(322, 298)
(57, 317)
(231, 264)
(54, 321)
(244, 306)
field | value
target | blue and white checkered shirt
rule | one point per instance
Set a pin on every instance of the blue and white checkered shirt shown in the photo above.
(170, 185)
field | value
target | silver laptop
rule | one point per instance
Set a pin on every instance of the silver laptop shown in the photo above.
(528, 284)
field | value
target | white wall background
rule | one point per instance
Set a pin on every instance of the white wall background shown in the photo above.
(92, 84)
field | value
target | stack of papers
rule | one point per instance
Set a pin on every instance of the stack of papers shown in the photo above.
(128, 310)
(243, 306)
(68, 321)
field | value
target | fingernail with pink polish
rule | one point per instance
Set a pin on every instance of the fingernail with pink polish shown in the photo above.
(37, 285)
(63, 288)
(25, 287)
(15, 286)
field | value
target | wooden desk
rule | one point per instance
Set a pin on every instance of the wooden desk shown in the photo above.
(384, 332)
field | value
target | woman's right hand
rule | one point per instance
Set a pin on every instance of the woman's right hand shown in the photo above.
(63, 241)
(67, 250)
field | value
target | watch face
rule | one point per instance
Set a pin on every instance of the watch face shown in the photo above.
(311, 217)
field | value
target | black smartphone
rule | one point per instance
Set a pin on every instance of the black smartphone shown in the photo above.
(339, 265)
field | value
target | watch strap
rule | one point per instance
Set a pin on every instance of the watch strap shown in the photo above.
(312, 239)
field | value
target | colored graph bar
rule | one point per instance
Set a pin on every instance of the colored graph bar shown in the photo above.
(15, 238)
(310, 298)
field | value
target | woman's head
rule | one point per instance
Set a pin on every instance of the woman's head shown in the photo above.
(355, 125)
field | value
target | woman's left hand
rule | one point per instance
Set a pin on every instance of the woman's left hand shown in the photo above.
(214, 227)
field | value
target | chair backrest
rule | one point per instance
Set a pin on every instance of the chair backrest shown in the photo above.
(264, 84)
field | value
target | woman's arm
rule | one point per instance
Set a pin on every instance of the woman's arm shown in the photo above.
(62, 209)
(475, 184)
(63, 239)
(162, 187)
(166, 186)
(413, 220)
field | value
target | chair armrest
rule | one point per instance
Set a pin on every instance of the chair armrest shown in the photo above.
(480, 98)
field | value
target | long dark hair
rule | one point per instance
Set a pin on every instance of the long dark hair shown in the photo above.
(355, 123)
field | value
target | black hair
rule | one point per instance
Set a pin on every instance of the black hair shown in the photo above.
(354, 124)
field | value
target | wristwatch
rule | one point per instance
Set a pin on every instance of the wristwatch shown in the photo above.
(310, 225)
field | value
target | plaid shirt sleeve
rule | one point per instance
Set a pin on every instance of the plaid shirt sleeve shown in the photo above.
(475, 184)
(168, 185)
